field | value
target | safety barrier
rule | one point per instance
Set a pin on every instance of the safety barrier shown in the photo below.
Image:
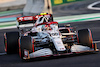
(58, 2)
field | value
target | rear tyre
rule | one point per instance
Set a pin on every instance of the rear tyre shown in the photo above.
(85, 37)
(11, 42)
(25, 44)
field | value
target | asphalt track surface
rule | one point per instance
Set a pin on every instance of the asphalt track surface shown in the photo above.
(83, 60)
(75, 8)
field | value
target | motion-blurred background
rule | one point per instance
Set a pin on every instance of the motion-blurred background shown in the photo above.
(10, 9)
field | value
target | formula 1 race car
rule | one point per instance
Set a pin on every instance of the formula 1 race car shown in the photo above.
(45, 39)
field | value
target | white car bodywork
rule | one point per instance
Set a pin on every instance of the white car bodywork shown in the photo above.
(53, 36)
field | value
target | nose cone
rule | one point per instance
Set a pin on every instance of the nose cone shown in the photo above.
(59, 44)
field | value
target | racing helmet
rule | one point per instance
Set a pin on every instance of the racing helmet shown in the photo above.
(43, 19)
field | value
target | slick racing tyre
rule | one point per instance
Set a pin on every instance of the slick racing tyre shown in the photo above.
(25, 44)
(85, 37)
(11, 42)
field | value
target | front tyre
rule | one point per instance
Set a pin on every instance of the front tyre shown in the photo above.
(11, 42)
(25, 43)
(85, 37)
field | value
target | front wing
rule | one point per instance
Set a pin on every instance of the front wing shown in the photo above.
(48, 53)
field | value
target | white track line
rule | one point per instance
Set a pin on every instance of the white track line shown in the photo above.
(94, 8)
(3, 53)
(7, 23)
(96, 41)
(11, 27)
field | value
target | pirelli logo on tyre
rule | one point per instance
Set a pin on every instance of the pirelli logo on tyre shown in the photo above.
(58, 1)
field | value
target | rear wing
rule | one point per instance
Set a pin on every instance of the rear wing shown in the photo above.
(32, 19)
(26, 20)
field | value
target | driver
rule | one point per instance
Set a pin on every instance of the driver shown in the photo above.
(46, 27)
